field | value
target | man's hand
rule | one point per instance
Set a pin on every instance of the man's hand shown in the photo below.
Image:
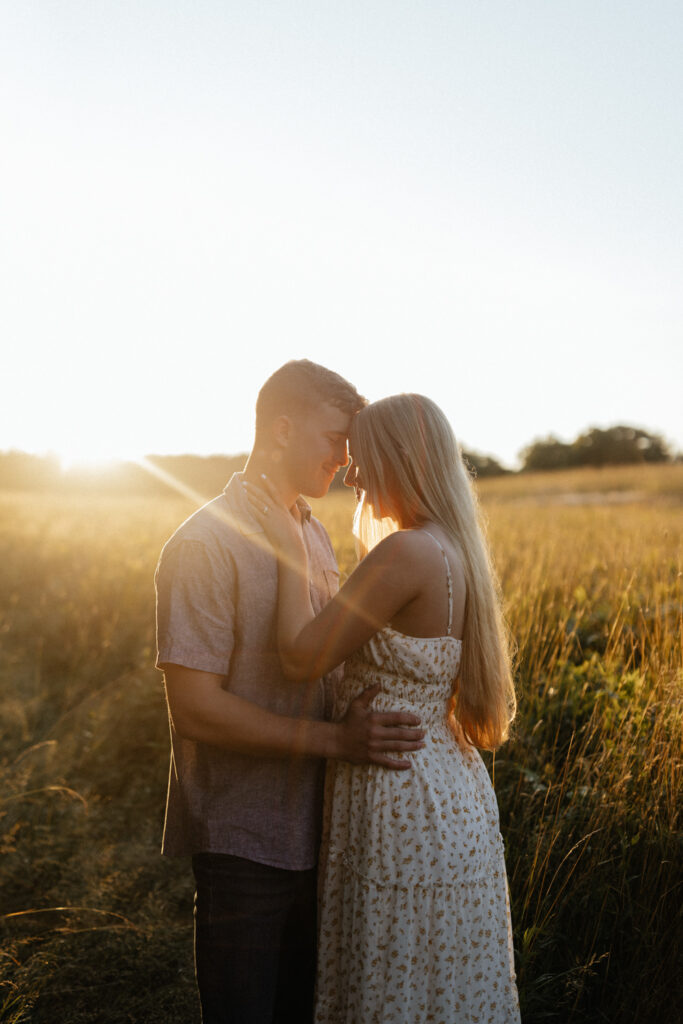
(369, 737)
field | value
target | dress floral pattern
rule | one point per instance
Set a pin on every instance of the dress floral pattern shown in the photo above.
(414, 913)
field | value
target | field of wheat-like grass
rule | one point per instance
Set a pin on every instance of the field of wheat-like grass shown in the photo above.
(96, 926)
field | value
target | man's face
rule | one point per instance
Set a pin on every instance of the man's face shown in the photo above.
(318, 447)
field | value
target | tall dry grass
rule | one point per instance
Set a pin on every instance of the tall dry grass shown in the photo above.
(590, 787)
(96, 926)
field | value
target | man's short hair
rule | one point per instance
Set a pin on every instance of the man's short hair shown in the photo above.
(300, 385)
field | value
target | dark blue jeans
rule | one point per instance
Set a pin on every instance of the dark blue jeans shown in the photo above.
(255, 939)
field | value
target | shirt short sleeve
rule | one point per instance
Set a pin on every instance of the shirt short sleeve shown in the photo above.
(195, 608)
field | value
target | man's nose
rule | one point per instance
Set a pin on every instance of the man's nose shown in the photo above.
(344, 455)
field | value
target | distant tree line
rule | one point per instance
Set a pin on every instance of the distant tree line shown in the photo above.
(205, 476)
(613, 446)
(483, 465)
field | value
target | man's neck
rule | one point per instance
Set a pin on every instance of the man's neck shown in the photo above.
(260, 463)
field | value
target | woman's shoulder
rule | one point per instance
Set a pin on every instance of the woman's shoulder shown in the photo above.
(424, 549)
(413, 546)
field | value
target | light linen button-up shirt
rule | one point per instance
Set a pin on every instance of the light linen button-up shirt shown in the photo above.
(217, 591)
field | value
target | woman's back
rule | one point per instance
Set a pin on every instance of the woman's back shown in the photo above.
(438, 609)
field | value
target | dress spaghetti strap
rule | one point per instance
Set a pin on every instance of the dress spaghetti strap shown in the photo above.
(449, 580)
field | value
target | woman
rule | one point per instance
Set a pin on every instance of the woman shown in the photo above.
(414, 915)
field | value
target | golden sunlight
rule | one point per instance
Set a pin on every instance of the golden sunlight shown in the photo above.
(94, 458)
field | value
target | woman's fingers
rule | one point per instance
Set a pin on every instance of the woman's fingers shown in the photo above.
(259, 503)
(265, 492)
(262, 501)
(260, 506)
(258, 493)
(265, 486)
(255, 493)
(271, 490)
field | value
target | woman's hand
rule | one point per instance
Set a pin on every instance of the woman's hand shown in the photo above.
(279, 524)
(283, 528)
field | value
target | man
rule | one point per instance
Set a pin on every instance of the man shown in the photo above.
(247, 745)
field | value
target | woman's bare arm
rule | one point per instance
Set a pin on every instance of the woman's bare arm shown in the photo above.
(388, 578)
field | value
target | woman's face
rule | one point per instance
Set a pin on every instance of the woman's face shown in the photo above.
(353, 477)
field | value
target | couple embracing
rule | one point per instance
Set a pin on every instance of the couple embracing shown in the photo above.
(385, 900)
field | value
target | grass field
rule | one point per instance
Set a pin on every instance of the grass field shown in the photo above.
(96, 926)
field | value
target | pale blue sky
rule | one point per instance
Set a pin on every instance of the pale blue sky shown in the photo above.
(481, 201)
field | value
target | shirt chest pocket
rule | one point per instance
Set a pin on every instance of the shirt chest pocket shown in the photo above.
(332, 581)
(324, 585)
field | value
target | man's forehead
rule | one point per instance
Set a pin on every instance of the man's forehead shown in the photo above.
(333, 419)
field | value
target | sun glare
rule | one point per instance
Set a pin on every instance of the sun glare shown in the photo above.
(92, 460)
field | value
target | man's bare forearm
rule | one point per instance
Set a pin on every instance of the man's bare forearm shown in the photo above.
(205, 713)
(202, 711)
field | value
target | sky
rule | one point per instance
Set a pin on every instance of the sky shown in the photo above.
(479, 201)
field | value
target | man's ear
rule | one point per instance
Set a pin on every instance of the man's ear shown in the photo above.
(282, 429)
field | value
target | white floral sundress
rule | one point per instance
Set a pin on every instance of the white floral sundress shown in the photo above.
(414, 923)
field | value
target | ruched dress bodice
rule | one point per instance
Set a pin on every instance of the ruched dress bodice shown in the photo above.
(415, 671)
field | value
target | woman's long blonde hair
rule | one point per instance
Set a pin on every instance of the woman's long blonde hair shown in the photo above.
(411, 472)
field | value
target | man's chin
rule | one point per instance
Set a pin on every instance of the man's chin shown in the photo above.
(316, 492)
(319, 489)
